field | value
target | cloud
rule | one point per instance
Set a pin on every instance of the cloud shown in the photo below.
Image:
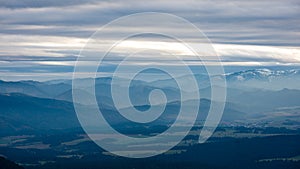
(47, 33)
(278, 54)
(14, 4)
(255, 22)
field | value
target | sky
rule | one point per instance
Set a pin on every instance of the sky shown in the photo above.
(42, 39)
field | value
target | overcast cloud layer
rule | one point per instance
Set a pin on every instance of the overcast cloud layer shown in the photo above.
(46, 36)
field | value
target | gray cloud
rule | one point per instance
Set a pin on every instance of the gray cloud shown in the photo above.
(27, 26)
(255, 22)
(14, 4)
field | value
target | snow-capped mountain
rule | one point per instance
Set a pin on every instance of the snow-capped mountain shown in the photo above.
(261, 74)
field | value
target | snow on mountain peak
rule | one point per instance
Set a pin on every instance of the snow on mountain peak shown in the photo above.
(260, 74)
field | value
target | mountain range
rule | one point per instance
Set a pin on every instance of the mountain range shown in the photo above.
(42, 106)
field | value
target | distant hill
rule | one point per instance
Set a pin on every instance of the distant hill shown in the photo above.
(6, 164)
(36, 106)
(247, 80)
(34, 88)
(26, 114)
(19, 113)
(266, 100)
